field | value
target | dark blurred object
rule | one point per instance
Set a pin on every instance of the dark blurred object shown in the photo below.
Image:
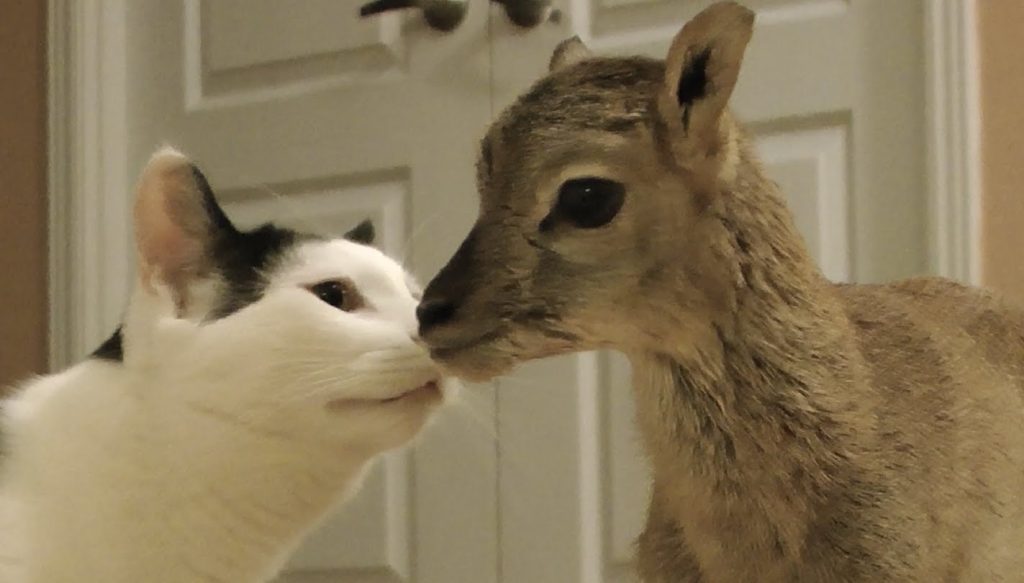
(446, 15)
(528, 13)
(443, 15)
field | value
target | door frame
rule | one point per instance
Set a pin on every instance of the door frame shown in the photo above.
(87, 126)
(953, 122)
(88, 160)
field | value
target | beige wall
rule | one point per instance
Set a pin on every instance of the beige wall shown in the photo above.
(1001, 39)
(23, 258)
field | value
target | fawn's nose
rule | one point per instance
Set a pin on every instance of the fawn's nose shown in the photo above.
(433, 313)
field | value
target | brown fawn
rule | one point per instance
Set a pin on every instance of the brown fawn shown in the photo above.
(798, 430)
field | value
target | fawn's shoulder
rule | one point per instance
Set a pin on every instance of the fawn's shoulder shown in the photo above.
(948, 313)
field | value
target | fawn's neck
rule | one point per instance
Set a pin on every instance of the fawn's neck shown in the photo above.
(745, 417)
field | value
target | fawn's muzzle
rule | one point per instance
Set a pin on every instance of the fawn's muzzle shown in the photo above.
(433, 313)
(448, 289)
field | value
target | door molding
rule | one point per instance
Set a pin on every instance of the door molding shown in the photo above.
(89, 178)
(952, 139)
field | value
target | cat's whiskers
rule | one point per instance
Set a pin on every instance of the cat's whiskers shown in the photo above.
(325, 354)
(416, 232)
(294, 213)
(311, 387)
(318, 382)
(515, 464)
(483, 421)
(386, 364)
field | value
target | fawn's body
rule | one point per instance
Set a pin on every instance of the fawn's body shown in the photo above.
(837, 433)
(798, 430)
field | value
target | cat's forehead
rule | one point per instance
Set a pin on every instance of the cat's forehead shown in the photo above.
(318, 260)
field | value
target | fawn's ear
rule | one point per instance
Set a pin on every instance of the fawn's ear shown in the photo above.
(177, 225)
(363, 233)
(701, 69)
(568, 52)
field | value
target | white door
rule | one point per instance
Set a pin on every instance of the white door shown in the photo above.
(344, 118)
(341, 118)
(833, 90)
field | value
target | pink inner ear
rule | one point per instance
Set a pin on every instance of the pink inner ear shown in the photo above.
(170, 247)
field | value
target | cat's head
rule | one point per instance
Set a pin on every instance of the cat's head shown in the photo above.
(270, 329)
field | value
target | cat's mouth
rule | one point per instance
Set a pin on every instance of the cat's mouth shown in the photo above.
(424, 393)
(427, 390)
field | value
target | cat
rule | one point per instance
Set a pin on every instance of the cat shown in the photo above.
(255, 377)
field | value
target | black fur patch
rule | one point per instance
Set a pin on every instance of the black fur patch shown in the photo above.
(220, 221)
(363, 233)
(693, 83)
(241, 259)
(112, 348)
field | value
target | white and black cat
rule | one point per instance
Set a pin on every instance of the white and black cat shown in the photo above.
(255, 376)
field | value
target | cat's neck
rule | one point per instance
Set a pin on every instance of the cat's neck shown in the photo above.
(254, 496)
(140, 488)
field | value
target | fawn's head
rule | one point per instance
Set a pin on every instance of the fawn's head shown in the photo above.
(597, 186)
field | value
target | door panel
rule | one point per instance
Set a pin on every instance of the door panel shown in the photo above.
(300, 111)
(831, 91)
(240, 50)
(303, 113)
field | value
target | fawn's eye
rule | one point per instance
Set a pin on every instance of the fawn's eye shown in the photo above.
(587, 203)
(334, 293)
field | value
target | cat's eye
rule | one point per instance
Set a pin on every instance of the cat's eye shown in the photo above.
(335, 293)
(587, 203)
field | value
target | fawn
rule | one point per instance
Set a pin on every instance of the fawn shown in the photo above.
(799, 430)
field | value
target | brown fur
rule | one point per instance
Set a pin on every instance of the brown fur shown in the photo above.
(798, 430)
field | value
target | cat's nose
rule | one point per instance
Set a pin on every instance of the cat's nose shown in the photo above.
(433, 313)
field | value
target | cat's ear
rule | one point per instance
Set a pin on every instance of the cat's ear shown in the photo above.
(363, 233)
(177, 225)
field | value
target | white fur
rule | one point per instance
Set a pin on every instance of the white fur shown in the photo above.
(215, 447)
